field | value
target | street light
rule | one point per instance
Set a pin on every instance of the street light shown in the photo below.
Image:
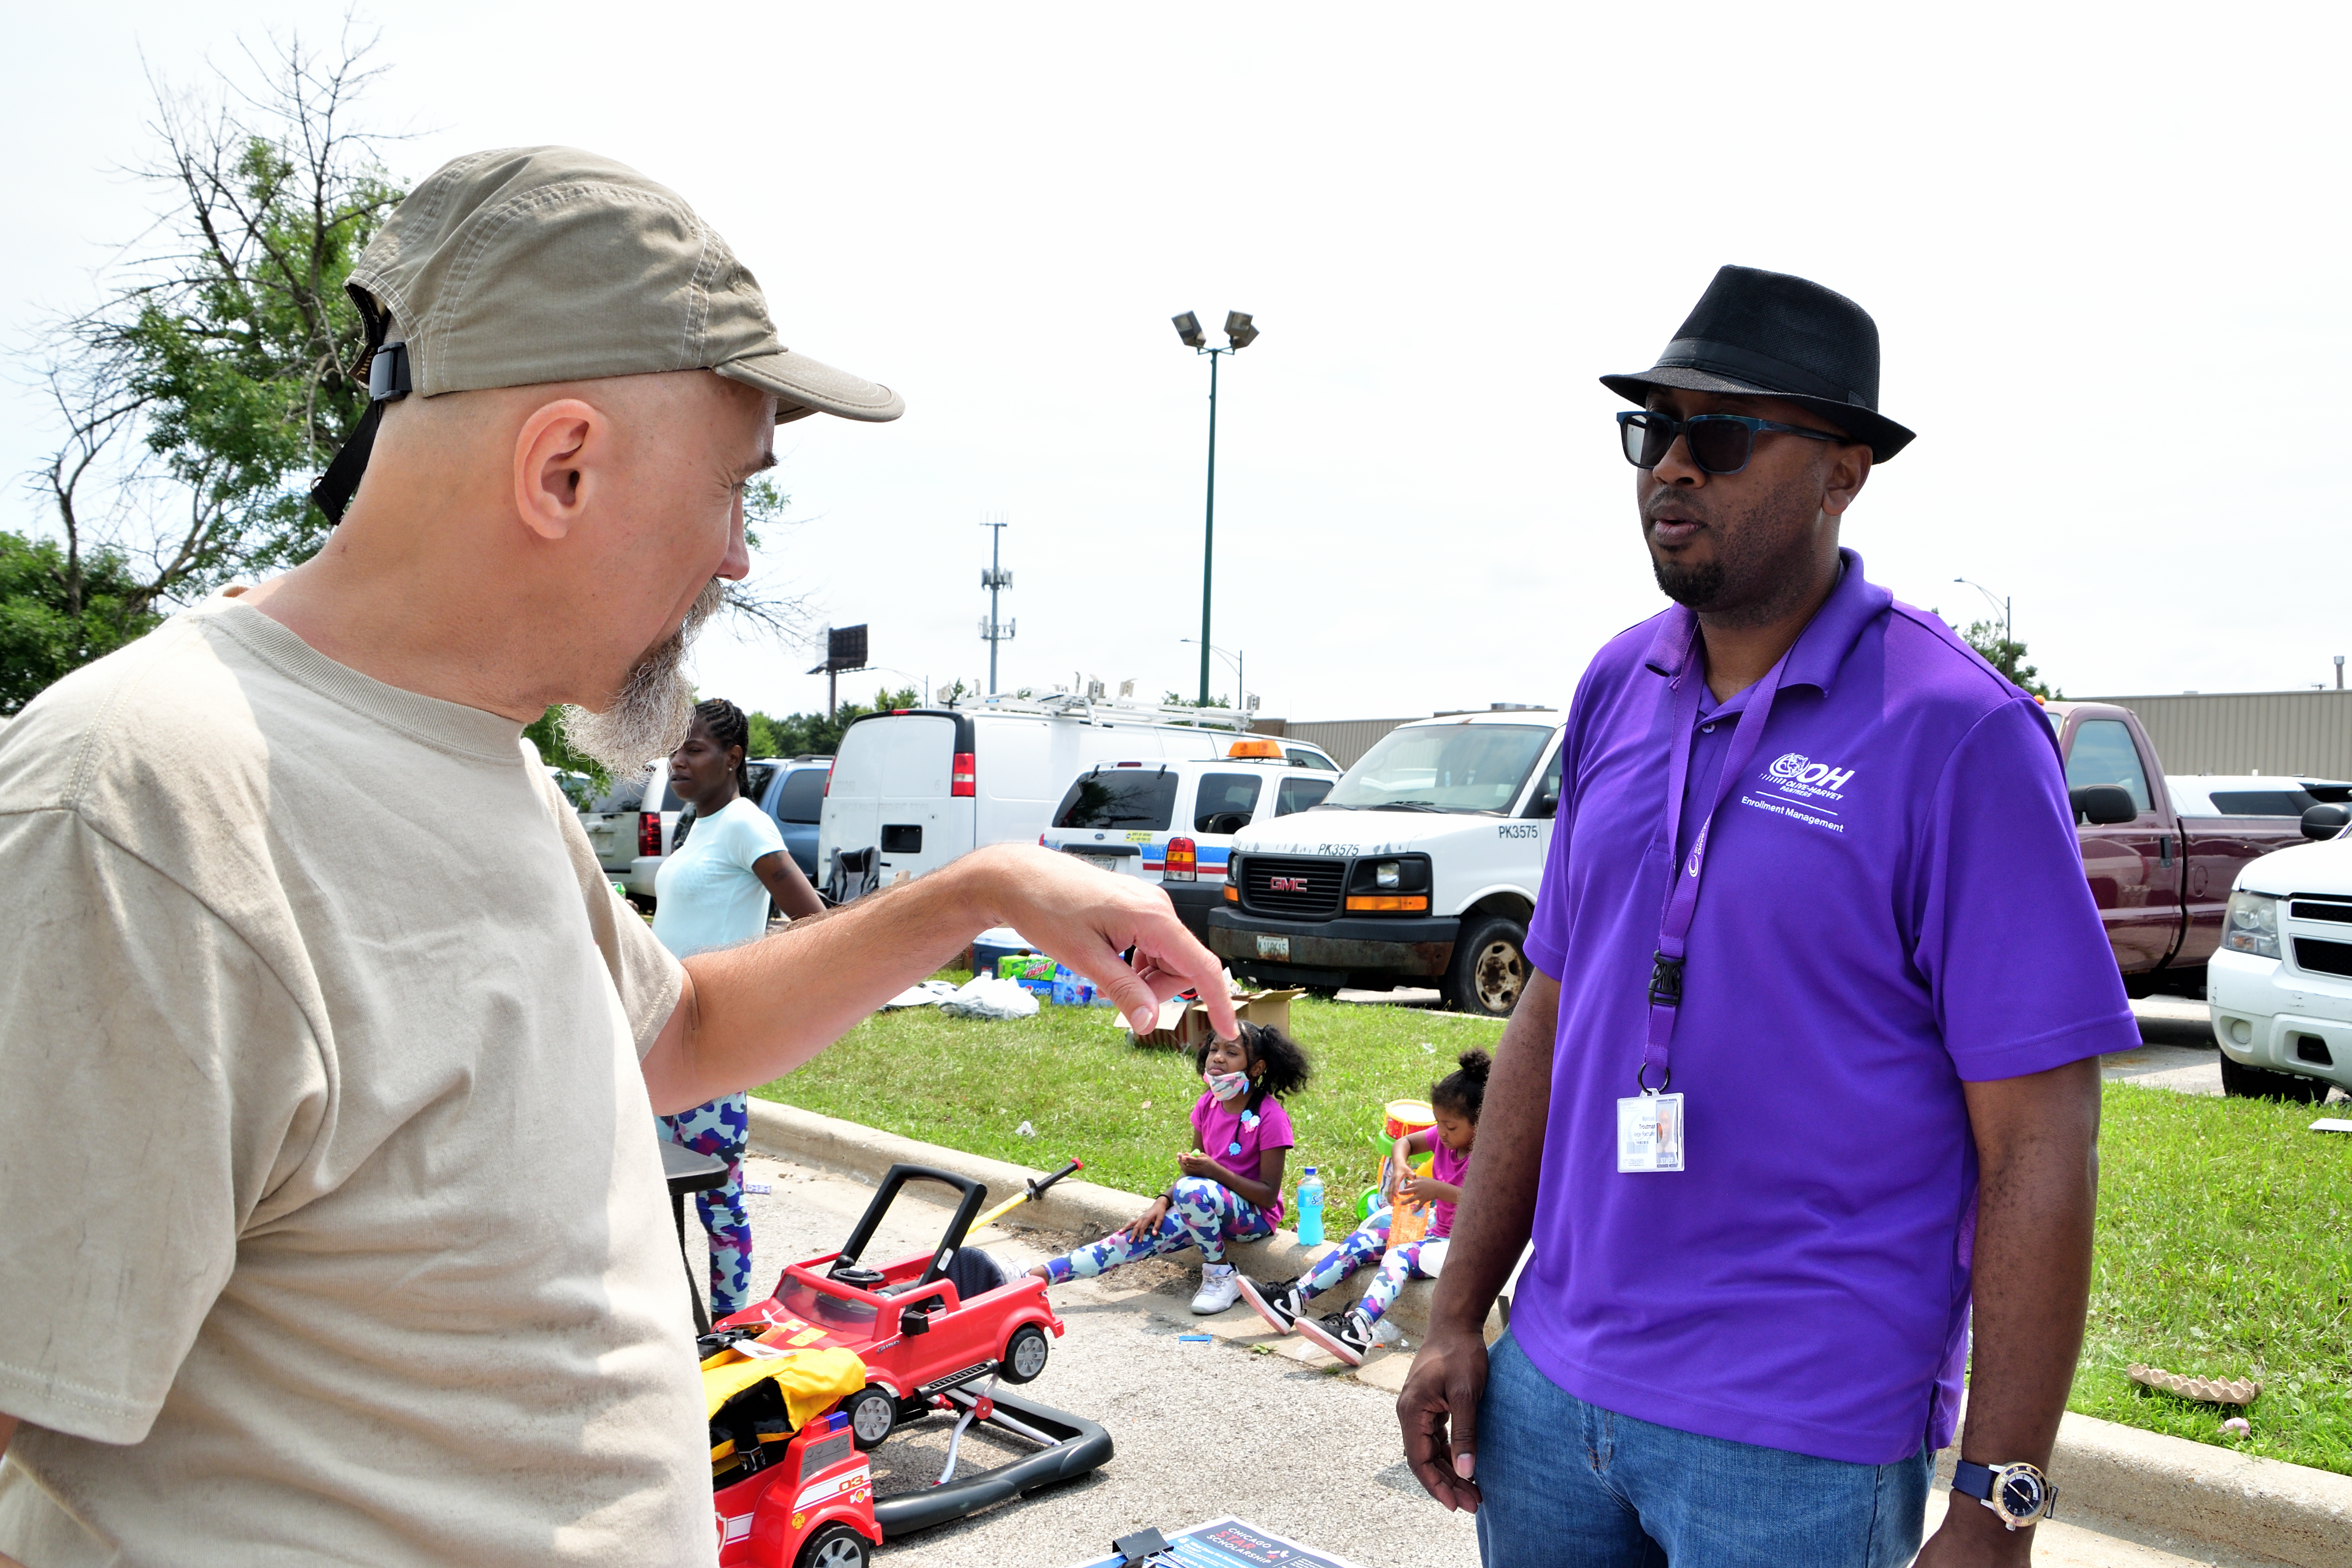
(1241, 680)
(1239, 335)
(1999, 602)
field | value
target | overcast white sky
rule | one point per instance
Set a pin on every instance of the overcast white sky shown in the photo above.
(2106, 252)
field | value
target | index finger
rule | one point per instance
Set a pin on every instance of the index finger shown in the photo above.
(1170, 961)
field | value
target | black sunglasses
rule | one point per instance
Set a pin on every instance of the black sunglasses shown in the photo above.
(1718, 443)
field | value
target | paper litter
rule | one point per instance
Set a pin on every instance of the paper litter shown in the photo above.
(930, 992)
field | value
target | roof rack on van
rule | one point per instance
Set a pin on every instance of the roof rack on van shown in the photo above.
(1098, 710)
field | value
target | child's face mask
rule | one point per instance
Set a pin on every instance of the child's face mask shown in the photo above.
(1226, 1085)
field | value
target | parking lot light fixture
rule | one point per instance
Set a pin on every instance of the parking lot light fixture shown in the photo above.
(1239, 335)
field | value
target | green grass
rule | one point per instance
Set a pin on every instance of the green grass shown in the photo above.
(2224, 1250)
(2225, 1227)
(1071, 1075)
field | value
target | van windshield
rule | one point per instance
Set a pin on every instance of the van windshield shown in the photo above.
(1119, 797)
(1443, 767)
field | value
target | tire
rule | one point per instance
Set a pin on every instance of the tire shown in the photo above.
(2260, 1083)
(872, 1413)
(1490, 967)
(835, 1546)
(1025, 1354)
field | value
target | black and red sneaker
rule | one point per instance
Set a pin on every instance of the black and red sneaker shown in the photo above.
(1281, 1305)
(1348, 1335)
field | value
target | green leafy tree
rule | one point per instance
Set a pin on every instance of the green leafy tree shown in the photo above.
(45, 630)
(2009, 658)
(814, 734)
(224, 366)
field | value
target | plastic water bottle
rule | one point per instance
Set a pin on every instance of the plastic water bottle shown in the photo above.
(1310, 1208)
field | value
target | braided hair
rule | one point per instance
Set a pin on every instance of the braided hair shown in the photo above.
(728, 727)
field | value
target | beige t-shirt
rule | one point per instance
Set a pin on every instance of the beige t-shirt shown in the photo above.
(331, 1221)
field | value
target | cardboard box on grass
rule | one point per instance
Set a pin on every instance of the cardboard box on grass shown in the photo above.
(1184, 1026)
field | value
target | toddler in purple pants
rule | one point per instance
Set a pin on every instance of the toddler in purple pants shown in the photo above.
(1350, 1335)
(1229, 1188)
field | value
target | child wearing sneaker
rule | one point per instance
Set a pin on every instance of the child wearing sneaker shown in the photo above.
(1350, 1335)
(1229, 1188)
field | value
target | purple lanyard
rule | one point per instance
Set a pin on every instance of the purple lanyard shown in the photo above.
(1682, 897)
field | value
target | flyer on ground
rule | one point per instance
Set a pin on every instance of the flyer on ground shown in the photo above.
(1229, 1543)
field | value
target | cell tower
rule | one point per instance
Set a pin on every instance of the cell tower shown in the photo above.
(996, 579)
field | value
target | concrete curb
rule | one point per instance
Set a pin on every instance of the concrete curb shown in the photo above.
(786, 1132)
(2244, 1501)
(2290, 1513)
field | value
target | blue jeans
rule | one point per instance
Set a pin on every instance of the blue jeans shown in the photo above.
(1568, 1485)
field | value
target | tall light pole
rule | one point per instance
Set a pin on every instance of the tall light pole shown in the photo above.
(1239, 335)
(1241, 677)
(1999, 602)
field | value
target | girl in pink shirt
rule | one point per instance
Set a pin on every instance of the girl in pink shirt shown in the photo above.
(1350, 1334)
(1229, 1188)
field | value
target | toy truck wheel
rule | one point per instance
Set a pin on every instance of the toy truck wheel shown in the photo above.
(872, 1413)
(1490, 967)
(834, 1546)
(1025, 1354)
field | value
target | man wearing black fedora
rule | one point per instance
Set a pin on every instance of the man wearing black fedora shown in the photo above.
(1800, 1110)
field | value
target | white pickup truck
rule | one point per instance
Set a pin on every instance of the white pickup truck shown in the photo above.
(1418, 868)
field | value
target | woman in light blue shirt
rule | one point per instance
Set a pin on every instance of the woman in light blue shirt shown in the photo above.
(712, 891)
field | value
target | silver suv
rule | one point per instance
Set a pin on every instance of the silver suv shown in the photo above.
(631, 836)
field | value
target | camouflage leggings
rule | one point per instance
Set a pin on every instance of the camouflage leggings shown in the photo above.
(1204, 1214)
(1398, 1264)
(720, 1128)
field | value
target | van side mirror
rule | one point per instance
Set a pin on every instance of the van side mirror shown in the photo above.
(2103, 806)
(1544, 807)
(2324, 821)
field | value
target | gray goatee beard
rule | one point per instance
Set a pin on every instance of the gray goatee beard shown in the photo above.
(647, 719)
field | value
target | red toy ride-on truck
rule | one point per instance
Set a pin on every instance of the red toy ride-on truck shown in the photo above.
(857, 1352)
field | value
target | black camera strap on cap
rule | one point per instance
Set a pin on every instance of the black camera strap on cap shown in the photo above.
(388, 381)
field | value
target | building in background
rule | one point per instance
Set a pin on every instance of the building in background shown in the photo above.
(2308, 733)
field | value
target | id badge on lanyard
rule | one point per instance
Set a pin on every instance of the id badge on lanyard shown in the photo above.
(1650, 1124)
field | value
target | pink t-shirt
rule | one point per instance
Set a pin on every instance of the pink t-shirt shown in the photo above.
(1444, 1165)
(1235, 1137)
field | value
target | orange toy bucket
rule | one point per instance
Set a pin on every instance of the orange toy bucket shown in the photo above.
(1404, 1116)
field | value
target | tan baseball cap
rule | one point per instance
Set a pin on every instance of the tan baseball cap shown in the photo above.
(527, 265)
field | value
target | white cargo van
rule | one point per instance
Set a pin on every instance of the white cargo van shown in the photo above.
(1420, 867)
(923, 785)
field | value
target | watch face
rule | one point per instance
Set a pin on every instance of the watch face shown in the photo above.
(2021, 1494)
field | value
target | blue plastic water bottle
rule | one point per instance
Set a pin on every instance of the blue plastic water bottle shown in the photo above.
(1310, 1208)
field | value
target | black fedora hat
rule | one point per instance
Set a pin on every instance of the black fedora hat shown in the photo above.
(1770, 334)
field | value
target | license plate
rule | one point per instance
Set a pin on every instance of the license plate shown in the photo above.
(1274, 947)
(1107, 862)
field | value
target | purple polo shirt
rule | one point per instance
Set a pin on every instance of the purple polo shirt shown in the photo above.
(1893, 903)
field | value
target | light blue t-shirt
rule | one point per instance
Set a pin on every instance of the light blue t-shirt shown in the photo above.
(705, 895)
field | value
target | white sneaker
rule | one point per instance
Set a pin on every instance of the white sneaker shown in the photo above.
(1220, 1289)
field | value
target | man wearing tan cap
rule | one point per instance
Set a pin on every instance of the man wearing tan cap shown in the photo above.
(334, 1226)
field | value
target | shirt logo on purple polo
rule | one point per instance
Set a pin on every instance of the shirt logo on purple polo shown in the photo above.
(1798, 774)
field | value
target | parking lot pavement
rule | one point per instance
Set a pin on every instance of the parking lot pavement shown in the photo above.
(1279, 1438)
(2182, 1068)
(1266, 1428)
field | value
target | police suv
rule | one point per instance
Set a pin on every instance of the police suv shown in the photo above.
(1172, 821)
(1418, 868)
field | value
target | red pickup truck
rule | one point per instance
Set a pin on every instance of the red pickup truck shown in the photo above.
(2162, 877)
